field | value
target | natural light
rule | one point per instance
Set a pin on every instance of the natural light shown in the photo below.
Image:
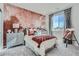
(58, 21)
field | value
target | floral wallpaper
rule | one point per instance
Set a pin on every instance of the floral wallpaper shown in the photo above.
(26, 17)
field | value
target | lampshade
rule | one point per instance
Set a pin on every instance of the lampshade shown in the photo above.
(15, 25)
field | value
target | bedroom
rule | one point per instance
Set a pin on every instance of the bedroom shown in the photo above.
(34, 22)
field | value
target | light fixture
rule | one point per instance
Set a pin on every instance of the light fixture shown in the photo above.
(16, 26)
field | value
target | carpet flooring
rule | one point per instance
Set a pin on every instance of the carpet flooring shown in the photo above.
(61, 50)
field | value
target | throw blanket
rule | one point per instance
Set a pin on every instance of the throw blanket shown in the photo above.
(68, 34)
(40, 39)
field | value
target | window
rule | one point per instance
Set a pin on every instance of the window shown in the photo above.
(57, 21)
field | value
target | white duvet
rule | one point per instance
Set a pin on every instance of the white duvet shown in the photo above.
(43, 47)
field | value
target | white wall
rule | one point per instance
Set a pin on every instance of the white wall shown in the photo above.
(75, 19)
(1, 28)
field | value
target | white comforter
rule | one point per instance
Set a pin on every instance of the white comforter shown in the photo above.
(44, 45)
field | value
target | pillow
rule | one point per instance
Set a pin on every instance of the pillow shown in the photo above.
(31, 32)
(38, 32)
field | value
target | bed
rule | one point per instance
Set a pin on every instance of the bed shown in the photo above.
(39, 44)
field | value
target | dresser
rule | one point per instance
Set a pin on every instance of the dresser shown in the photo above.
(14, 39)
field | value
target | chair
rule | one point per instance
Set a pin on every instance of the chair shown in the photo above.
(68, 37)
(69, 34)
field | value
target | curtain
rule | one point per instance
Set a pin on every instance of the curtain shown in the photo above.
(67, 13)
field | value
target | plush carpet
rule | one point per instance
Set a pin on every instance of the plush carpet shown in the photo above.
(24, 51)
(17, 51)
(61, 50)
(71, 50)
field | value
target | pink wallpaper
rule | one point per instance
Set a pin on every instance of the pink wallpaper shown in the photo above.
(26, 18)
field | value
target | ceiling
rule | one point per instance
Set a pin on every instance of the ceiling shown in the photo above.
(44, 8)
